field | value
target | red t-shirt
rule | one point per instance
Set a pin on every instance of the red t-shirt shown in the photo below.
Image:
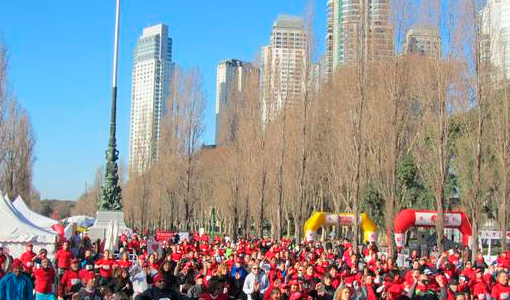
(371, 295)
(394, 290)
(124, 264)
(208, 296)
(106, 267)
(500, 292)
(64, 258)
(86, 274)
(26, 259)
(69, 280)
(44, 279)
(480, 290)
(176, 256)
(504, 261)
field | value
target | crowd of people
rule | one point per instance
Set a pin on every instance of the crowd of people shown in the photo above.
(203, 268)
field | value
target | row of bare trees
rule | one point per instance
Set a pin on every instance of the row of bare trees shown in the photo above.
(409, 131)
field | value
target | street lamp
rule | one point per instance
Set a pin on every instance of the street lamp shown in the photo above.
(111, 198)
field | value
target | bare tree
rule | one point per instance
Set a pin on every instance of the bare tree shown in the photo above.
(476, 87)
(193, 104)
(17, 140)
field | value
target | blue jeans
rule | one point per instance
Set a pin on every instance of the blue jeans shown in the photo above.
(41, 296)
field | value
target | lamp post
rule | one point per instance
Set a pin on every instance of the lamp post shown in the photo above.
(213, 221)
(111, 198)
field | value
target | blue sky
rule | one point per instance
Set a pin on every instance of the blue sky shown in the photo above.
(60, 54)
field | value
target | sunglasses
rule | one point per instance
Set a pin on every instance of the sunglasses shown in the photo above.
(256, 268)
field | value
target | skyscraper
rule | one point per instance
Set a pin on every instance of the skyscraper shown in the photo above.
(346, 19)
(152, 70)
(423, 40)
(495, 39)
(283, 66)
(328, 58)
(380, 32)
(231, 79)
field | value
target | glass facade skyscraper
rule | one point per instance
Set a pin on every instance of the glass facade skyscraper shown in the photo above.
(151, 76)
(495, 40)
(283, 63)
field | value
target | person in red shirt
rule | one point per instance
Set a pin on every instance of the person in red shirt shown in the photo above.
(452, 290)
(215, 292)
(369, 287)
(44, 278)
(501, 291)
(3, 257)
(335, 276)
(70, 282)
(469, 271)
(105, 266)
(124, 261)
(153, 262)
(27, 258)
(63, 258)
(394, 286)
(479, 288)
(86, 273)
(504, 261)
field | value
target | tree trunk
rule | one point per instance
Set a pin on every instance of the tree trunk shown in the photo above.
(279, 205)
(262, 196)
(247, 223)
(440, 218)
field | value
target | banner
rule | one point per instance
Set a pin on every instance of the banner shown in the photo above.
(492, 235)
(164, 235)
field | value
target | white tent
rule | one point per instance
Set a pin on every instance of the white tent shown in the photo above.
(35, 218)
(82, 221)
(16, 232)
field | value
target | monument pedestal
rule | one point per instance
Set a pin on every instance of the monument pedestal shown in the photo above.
(103, 218)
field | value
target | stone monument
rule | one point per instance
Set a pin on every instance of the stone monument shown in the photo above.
(110, 202)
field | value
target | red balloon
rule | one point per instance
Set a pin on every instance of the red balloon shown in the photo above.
(58, 228)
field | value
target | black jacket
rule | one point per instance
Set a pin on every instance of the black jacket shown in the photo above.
(119, 285)
(154, 293)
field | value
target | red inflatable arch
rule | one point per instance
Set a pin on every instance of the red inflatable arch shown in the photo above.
(426, 218)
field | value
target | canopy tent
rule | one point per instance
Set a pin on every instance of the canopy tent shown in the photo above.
(35, 218)
(81, 221)
(16, 232)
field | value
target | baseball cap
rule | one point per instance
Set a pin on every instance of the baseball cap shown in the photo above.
(158, 277)
(199, 276)
(16, 264)
(296, 296)
(294, 282)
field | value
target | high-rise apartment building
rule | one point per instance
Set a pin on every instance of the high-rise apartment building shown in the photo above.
(380, 32)
(232, 79)
(327, 60)
(353, 22)
(424, 41)
(495, 39)
(283, 65)
(152, 71)
(334, 35)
